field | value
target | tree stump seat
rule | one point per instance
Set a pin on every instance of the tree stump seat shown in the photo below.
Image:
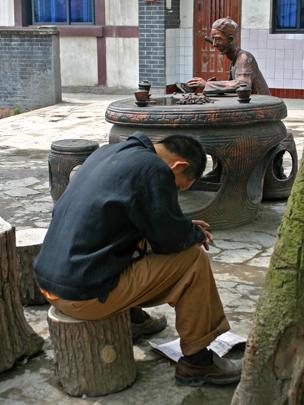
(92, 358)
(17, 338)
(28, 243)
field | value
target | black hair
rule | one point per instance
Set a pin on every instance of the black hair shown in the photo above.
(189, 149)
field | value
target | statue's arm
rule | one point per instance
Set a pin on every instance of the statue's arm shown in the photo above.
(224, 86)
(241, 72)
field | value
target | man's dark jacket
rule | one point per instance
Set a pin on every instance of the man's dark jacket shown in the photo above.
(123, 193)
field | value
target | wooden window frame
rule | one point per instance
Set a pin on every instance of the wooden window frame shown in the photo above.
(68, 23)
(297, 30)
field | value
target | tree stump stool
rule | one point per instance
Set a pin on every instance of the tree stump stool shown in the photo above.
(28, 243)
(92, 357)
(276, 184)
(64, 156)
(16, 336)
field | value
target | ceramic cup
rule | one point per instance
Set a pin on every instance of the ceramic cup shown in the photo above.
(141, 95)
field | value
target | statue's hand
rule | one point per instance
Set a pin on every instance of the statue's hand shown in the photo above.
(197, 82)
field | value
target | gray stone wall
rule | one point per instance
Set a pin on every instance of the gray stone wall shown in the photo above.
(30, 68)
(152, 57)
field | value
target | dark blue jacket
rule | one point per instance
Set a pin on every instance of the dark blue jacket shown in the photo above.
(123, 193)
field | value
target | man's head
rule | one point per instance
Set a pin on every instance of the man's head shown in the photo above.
(223, 32)
(185, 156)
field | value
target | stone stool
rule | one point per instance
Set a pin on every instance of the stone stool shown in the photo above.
(276, 184)
(92, 357)
(64, 156)
(28, 244)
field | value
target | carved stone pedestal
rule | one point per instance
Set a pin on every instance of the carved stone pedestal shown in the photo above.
(92, 357)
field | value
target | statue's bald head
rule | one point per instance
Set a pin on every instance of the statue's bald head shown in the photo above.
(227, 26)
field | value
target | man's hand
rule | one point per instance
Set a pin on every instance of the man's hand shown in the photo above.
(197, 82)
(205, 228)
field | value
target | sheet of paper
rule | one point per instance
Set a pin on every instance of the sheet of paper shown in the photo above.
(221, 346)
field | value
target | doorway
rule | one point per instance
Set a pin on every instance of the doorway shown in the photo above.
(208, 62)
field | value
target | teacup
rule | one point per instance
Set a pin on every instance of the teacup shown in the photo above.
(141, 95)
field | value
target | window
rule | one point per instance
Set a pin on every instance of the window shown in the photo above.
(63, 11)
(288, 15)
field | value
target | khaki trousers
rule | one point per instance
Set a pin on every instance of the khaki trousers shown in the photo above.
(184, 280)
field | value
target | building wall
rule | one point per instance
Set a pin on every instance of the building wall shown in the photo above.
(7, 17)
(172, 14)
(121, 12)
(30, 68)
(78, 61)
(152, 42)
(179, 46)
(256, 14)
(122, 62)
(280, 56)
(122, 53)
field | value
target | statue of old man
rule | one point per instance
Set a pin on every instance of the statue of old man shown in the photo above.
(243, 68)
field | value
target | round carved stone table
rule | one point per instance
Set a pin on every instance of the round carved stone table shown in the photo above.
(239, 137)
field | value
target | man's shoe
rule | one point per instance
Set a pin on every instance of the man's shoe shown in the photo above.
(220, 371)
(149, 327)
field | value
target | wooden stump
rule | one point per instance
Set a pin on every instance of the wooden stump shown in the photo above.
(28, 243)
(17, 337)
(92, 357)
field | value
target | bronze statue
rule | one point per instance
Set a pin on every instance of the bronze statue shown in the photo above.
(243, 69)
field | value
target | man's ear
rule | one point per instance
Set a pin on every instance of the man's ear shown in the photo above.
(230, 38)
(179, 166)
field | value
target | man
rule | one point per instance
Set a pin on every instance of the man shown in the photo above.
(92, 263)
(243, 69)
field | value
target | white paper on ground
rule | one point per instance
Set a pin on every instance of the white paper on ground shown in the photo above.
(221, 346)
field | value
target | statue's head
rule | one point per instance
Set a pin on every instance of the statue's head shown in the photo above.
(223, 32)
(227, 26)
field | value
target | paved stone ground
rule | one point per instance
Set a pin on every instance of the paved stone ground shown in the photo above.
(239, 256)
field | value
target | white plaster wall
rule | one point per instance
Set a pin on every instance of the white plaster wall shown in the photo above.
(7, 16)
(78, 58)
(179, 55)
(121, 12)
(179, 46)
(122, 62)
(280, 56)
(256, 14)
(186, 13)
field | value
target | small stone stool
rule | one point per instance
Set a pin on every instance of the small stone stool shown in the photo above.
(64, 156)
(92, 357)
(28, 244)
(276, 184)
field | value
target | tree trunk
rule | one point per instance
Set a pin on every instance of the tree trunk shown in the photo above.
(273, 368)
(28, 245)
(92, 357)
(16, 336)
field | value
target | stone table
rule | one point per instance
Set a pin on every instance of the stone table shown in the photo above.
(240, 138)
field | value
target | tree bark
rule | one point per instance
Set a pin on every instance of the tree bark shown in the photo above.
(92, 357)
(273, 368)
(28, 245)
(16, 336)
